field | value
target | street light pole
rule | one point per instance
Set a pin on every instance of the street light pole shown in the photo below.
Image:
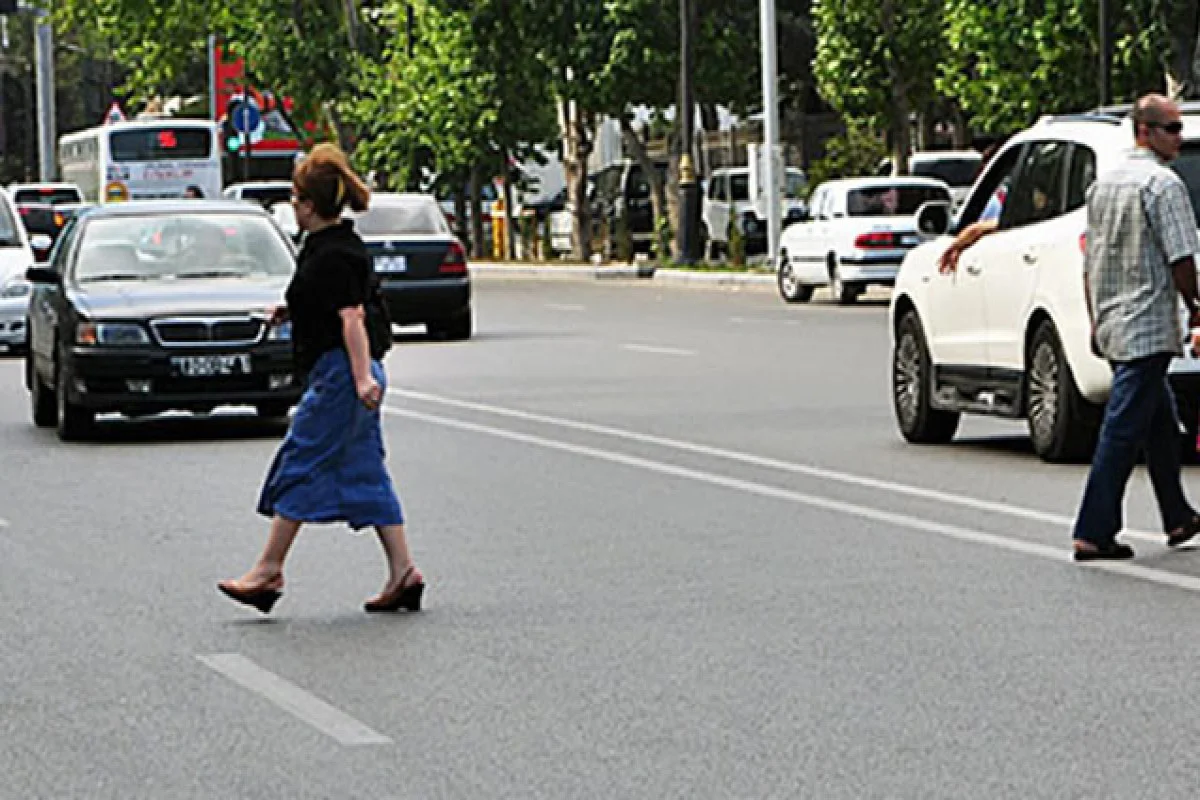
(770, 127)
(44, 55)
(689, 187)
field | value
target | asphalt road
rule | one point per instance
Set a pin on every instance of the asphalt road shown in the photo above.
(675, 549)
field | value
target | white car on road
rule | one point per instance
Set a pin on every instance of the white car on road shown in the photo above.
(1007, 334)
(859, 231)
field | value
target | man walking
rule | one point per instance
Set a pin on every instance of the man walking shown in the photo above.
(1141, 243)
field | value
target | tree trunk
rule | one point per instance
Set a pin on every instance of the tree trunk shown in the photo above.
(901, 105)
(962, 130)
(658, 192)
(576, 150)
(351, 11)
(476, 191)
(1183, 26)
(510, 230)
(461, 217)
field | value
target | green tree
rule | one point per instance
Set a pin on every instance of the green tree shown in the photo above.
(1009, 61)
(876, 61)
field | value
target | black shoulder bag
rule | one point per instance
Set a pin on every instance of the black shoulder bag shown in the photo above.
(379, 319)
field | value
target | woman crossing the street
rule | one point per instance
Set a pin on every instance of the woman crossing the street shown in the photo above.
(331, 466)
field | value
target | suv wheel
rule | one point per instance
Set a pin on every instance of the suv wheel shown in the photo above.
(74, 422)
(912, 388)
(790, 289)
(1062, 424)
(41, 401)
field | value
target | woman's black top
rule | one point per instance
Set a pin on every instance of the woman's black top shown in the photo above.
(332, 273)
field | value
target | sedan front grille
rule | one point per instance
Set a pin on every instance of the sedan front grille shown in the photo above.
(208, 331)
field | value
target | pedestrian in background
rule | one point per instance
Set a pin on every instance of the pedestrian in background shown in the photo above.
(331, 467)
(193, 193)
(1141, 244)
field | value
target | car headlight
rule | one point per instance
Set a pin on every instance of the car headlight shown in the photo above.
(280, 331)
(114, 334)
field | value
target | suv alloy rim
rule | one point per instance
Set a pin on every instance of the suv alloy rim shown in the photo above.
(1043, 391)
(907, 380)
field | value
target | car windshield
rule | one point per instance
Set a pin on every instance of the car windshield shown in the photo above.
(957, 172)
(887, 201)
(418, 215)
(1188, 167)
(165, 247)
(47, 196)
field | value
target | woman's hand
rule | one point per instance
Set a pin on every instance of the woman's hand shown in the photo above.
(369, 392)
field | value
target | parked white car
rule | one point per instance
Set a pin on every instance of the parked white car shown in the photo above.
(859, 232)
(957, 168)
(728, 191)
(1007, 333)
(266, 193)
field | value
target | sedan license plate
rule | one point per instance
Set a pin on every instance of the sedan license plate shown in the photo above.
(391, 264)
(211, 366)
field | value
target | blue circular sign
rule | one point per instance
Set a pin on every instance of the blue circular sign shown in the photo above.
(246, 116)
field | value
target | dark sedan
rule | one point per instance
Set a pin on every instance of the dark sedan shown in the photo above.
(421, 265)
(151, 307)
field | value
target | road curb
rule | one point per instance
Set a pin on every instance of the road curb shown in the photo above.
(673, 277)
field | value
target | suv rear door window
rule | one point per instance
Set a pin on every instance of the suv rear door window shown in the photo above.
(892, 200)
(1080, 177)
(1188, 167)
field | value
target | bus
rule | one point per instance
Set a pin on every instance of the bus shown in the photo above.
(144, 159)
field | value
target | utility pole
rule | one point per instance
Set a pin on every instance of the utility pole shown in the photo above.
(689, 186)
(770, 127)
(44, 55)
(1105, 39)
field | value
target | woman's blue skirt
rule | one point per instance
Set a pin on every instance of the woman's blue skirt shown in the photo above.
(331, 466)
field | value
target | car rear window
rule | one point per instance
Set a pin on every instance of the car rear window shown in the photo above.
(886, 201)
(419, 216)
(957, 172)
(47, 196)
(1188, 167)
(165, 143)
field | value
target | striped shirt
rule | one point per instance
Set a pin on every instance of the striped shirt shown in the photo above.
(1140, 222)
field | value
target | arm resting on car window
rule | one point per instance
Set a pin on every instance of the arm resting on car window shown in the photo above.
(965, 239)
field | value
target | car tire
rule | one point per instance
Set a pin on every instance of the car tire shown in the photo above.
(844, 293)
(41, 400)
(790, 289)
(1063, 425)
(457, 328)
(912, 388)
(74, 423)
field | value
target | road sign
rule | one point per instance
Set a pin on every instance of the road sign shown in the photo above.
(246, 116)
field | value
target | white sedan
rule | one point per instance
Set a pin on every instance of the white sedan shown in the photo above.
(859, 231)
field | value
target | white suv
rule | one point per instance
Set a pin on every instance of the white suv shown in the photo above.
(1008, 334)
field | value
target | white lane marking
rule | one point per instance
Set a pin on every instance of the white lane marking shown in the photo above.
(292, 699)
(3, 523)
(656, 350)
(862, 481)
(566, 307)
(896, 519)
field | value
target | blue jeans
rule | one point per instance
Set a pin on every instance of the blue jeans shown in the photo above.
(1140, 416)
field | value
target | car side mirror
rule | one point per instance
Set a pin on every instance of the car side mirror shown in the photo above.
(43, 275)
(933, 219)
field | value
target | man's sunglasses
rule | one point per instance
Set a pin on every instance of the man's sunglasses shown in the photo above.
(1172, 128)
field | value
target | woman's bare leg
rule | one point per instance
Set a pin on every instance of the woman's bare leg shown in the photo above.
(399, 559)
(267, 572)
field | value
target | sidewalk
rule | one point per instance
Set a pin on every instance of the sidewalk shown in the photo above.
(757, 281)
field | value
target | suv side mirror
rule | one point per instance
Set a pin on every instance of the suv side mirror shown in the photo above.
(933, 219)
